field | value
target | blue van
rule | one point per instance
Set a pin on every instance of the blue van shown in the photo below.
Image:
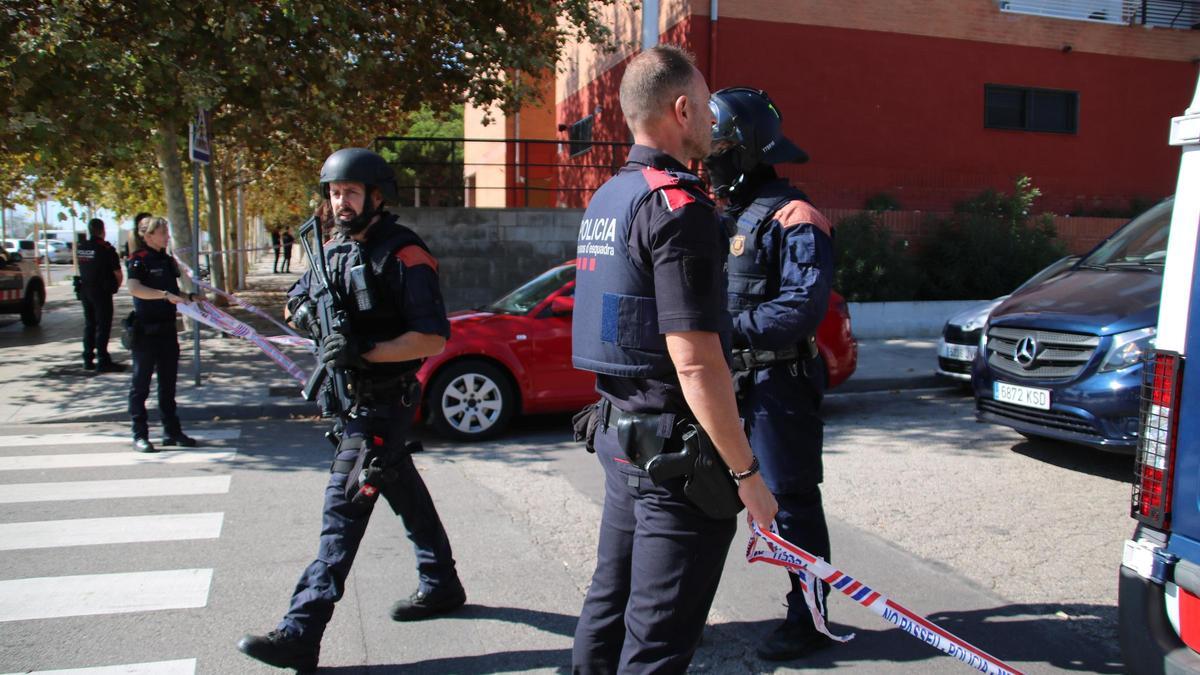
(1158, 593)
(1062, 358)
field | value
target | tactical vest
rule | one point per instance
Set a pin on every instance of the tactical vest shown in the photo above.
(90, 271)
(615, 332)
(383, 320)
(754, 271)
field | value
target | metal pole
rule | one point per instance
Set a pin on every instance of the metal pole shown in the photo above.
(239, 229)
(196, 267)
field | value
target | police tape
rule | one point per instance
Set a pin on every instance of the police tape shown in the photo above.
(779, 551)
(200, 283)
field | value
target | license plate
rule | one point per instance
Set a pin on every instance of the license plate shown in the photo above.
(957, 352)
(1027, 397)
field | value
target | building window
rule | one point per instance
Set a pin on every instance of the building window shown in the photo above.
(581, 135)
(1030, 109)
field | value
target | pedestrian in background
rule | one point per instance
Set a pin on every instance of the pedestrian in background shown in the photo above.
(286, 241)
(153, 283)
(656, 333)
(780, 276)
(275, 246)
(99, 278)
(396, 319)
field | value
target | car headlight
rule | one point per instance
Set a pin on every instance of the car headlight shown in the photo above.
(1128, 348)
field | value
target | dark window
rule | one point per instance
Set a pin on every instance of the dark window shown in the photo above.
(581, 136)
(1030, 109)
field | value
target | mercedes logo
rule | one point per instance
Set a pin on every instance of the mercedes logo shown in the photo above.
(1027, 351)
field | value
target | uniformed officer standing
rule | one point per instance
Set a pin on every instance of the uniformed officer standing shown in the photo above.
(653, 326)
(153, 284)
(396, 319)
(99, 278)
(780, 276)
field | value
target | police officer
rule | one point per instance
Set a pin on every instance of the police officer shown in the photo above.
(396, 319)
(99, 278)
(780, 275)
(651, 255)
(153, 283)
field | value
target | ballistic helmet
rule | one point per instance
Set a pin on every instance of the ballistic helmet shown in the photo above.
(359, 165)
(747, 132)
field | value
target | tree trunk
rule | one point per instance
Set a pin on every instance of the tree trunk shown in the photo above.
(227, 195)
(214, 231)
(166, 145)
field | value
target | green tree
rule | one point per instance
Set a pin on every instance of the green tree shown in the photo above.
(92, 89)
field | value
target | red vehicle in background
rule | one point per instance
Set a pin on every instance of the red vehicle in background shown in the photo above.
(514, 357)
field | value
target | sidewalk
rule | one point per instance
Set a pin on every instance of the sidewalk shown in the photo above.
(239, 382)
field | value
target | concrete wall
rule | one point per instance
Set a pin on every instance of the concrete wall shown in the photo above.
(484, 253)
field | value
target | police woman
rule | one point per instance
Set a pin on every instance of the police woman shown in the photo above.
(153, 284)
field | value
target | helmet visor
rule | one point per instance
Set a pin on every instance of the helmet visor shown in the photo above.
(725, 133)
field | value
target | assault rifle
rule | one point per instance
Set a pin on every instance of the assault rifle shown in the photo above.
(337, 398)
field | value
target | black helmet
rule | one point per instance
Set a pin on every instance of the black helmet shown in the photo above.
(359, 165)
(751, 128)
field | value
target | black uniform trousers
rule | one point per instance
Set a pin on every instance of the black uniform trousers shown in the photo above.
(658, 565)
(97, 325)
(786, 433)
(151, 354)
(343, 524)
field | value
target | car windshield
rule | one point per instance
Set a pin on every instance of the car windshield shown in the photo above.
(533, 292)
(1141, 243)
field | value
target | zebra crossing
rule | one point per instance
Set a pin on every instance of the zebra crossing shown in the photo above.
(99, 475)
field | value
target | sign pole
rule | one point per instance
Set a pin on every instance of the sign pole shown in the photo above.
(200, 152)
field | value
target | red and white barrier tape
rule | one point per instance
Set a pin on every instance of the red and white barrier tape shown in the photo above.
(770, 548)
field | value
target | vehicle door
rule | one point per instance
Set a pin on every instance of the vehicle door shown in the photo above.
(554, 378)
(12, 281)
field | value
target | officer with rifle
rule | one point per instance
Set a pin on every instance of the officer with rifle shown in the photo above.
(371, 300)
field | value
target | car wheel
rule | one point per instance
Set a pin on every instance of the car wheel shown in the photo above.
(31, 307)
(471, 400)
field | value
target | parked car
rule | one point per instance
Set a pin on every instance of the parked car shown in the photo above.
(58, 252)
(514, 357)
(1062, 358)
(1158, 596)
(21, 287)
(960, 336)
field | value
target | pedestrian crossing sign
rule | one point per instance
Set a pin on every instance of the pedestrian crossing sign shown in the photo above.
(198, 140)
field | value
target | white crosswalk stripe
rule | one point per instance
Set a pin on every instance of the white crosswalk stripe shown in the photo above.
(180, 667)
(34, 440)
(91, 594)
(94, 459)
(112, 489)
(95, 531)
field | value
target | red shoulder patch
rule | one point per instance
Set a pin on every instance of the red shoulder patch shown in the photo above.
(140, 253)
(800, 212)
(414, 256)
(674, 195)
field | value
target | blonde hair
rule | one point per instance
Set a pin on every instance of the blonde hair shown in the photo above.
(149, 225)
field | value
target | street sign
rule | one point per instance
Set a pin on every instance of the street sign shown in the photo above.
(199, 147)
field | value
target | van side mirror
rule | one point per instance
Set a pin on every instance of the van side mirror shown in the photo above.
(563, 305)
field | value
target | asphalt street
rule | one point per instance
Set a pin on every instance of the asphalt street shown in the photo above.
(1011, 545)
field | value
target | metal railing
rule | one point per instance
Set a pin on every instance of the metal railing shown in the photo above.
(501, 172)
(1181, 14)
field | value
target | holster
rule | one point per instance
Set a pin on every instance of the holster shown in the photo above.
(670, 447)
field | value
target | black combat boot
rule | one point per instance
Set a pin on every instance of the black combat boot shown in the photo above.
(143, 444)
(178, 438)
(422, 605)
(281, 651)
(791, 640)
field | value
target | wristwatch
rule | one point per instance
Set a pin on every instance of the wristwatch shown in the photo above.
(739, 476)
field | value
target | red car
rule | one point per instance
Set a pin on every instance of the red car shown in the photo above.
(514, 357)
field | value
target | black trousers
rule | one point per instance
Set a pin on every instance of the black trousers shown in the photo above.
(275, 266)
(287, 258)
(151, 354)
(97, 326)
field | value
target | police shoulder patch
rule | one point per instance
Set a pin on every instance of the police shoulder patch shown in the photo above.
(800, 212)
(674, 194)
(737, 245)
(415, 256)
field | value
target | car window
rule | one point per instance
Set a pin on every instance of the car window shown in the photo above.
(533, 292)
(1143, 242)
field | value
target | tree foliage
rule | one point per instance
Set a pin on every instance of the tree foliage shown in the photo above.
(96, 94)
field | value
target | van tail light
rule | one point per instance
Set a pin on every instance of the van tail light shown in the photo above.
(1154, 463)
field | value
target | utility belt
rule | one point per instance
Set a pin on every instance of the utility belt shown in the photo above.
(749, 359)
(669, 446)
(375, 388)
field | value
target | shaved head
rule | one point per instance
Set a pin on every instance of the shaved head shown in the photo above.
(653, 81)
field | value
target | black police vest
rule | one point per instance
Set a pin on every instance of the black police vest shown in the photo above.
(95, 274)
(615, 328)
(383, 320)
(753, 271)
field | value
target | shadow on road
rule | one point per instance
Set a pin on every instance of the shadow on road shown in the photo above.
(1079, 458)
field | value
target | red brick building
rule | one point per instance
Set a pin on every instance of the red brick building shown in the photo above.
(928, 101)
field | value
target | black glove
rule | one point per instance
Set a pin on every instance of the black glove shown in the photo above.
(339, 351)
